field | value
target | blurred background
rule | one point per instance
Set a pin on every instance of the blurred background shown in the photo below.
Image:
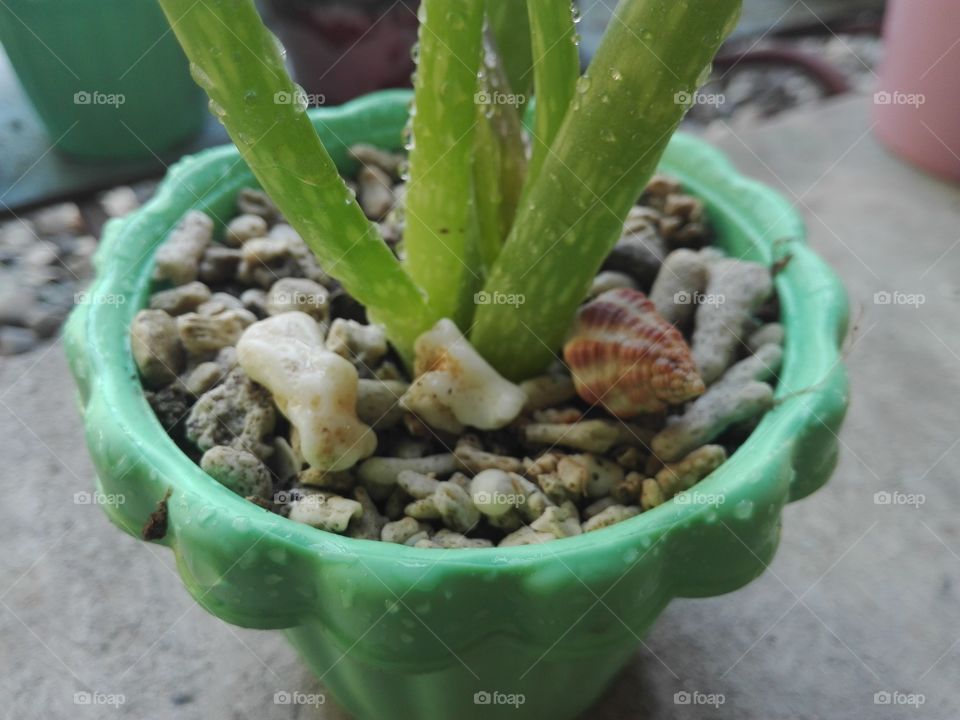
(847, 107)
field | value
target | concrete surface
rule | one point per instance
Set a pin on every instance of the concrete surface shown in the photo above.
(861, 599)
(33, 172)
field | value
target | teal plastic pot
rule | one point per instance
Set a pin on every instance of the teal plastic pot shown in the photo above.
(395, 631)
(106, 77)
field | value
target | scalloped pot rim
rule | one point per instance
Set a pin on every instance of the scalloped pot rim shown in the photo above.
(790, 454)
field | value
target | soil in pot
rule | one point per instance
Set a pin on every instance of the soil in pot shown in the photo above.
(273, 380)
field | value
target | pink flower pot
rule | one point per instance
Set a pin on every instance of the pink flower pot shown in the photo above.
(917, 103)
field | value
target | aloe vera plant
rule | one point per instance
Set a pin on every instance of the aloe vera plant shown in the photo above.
(479, 213)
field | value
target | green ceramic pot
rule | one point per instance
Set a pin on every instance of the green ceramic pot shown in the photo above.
(106, 77)
(395, 631)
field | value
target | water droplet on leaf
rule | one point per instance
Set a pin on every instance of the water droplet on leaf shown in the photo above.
(200, 76)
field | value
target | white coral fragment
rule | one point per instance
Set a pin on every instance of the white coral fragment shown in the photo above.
(314, 388)
(455, 387)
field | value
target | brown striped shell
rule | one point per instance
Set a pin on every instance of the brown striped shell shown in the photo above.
(627, 358)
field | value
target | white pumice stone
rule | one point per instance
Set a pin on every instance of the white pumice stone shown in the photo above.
(239, 470)
(417, 485)
(399, 531)
(156, 347)
(314, 388)
(455, 507)
(178, 258)
(493, 493)
(298, 294)
(610, 516)
(735, 289)
(243, 228)
(380, 473)
(378, 402)
(363, 345)
(181, 299)
(206, 333)
(456, 387)
(324, 511)
(559, 520)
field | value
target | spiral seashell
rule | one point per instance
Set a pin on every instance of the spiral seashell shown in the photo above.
(627, 358)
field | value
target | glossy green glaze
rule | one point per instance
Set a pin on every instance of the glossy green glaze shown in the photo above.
(395, 631)
(106, 77)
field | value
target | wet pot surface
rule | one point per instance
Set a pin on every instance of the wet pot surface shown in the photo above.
(535, 631)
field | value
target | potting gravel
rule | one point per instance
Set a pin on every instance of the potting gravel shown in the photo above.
(559, 467)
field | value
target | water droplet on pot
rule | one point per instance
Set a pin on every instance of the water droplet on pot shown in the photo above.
(743, 510)
(240, 524)
(206, 514)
